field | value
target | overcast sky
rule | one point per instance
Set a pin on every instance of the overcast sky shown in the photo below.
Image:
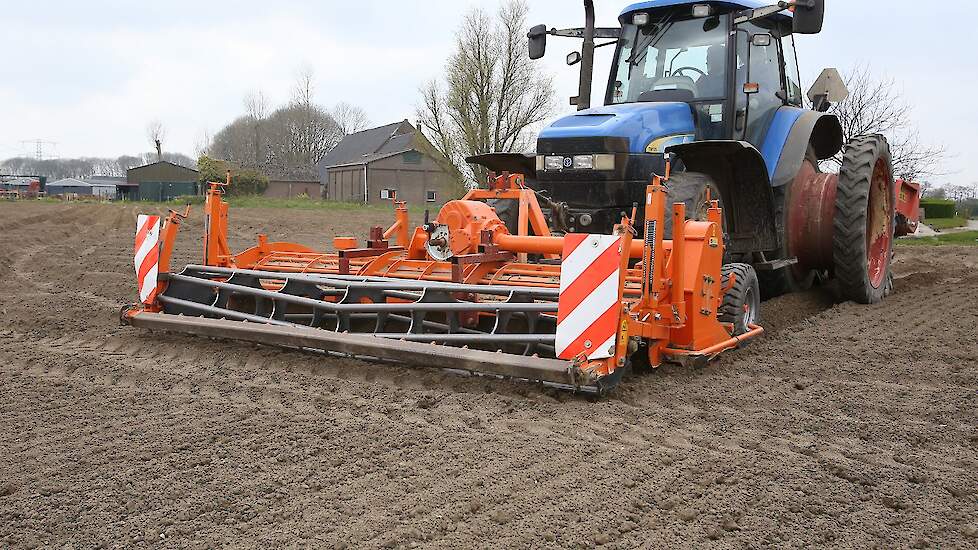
(89, 75)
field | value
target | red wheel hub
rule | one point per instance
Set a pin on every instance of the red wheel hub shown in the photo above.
(879, 224)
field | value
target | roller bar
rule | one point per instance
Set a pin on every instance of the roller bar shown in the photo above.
(400, 351)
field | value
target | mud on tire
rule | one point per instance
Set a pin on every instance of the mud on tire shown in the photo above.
(862, 242)
(741, 304)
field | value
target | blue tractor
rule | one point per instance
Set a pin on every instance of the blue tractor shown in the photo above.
(715, 85)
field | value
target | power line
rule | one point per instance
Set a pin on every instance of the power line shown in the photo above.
(38, 146)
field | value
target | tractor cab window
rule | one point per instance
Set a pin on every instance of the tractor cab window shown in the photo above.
(755, 111)
(671, 59)
(791, 76)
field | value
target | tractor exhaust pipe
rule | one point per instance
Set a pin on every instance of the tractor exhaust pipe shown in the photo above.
(587, 58)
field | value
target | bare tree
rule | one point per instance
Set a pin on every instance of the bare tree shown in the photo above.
(202, 143)
(350, 118)
(876, 106)
(307, 128)
(156, 133)
(257, 108)
(492, 95)
(285, 142)
(234, 143)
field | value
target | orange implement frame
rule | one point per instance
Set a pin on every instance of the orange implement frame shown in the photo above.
(669, 290)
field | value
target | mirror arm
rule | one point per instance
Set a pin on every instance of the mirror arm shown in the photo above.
(760, 13)
(607, 32)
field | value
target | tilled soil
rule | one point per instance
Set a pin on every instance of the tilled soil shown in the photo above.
(845, 426)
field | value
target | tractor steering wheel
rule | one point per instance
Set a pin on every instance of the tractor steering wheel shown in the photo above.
(681, 69)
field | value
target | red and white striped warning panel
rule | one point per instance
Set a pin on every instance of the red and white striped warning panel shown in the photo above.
(147, 258)
(587, 310)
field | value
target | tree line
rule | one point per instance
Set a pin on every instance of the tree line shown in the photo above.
(84, 167)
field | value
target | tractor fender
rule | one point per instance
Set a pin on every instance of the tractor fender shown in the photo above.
(740, 173)
(821, 131)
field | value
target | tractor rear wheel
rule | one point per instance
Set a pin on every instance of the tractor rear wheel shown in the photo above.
(741, 305)
(862, 242)
(792, 278)
(789, 279)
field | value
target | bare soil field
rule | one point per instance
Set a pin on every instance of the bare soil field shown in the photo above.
(845, 426)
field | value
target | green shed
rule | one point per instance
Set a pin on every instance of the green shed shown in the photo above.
(161, 181)
(165, 190)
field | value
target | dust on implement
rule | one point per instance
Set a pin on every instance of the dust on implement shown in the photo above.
(462, 292)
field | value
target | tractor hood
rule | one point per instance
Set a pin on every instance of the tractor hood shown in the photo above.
(626, 128)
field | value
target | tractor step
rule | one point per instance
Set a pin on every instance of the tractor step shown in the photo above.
(774, 265)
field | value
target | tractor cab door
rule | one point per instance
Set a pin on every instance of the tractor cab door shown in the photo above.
(761, 93)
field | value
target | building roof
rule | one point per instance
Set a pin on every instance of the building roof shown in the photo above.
(75, 182)
(105, 180)
(370, 145)
(162, 162)
(18, 181)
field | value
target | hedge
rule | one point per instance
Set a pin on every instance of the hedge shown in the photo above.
(938, 208)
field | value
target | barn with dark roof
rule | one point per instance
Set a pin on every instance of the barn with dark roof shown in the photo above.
(374, 165)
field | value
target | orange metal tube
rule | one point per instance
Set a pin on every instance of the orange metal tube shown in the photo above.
(399, 229)
(546, 245)
(754, 331)
(677, 261)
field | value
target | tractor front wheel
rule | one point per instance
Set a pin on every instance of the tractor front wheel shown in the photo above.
(862, 241)
(741, 304)
(693, 189)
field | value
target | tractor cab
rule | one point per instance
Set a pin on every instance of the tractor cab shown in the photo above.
(728, 72)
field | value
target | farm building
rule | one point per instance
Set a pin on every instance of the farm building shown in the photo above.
(290, 189)
(75, 186)
(159, 181)
(373, 165)
(22, 183)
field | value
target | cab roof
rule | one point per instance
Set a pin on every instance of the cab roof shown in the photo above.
(741, 4)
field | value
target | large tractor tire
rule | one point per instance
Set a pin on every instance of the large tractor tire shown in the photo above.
(690, 188)
(792, 278)
(789, 279)
(741, 304)
(862, 242)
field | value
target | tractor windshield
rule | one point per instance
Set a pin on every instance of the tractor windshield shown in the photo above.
(671, 59)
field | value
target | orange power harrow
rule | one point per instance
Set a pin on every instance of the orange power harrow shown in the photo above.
(460, 292)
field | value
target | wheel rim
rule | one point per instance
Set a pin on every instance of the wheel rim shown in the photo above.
(750, 311)
(879, 223)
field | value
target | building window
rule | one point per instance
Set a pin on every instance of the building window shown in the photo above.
(411, 157)
(431, 196)
(390, 194)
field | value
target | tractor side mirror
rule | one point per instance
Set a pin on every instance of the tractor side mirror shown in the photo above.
(538, 41)
(808, 17)
(828, 88)
(573, 58)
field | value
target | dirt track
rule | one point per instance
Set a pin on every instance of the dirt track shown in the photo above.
(847, 426)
